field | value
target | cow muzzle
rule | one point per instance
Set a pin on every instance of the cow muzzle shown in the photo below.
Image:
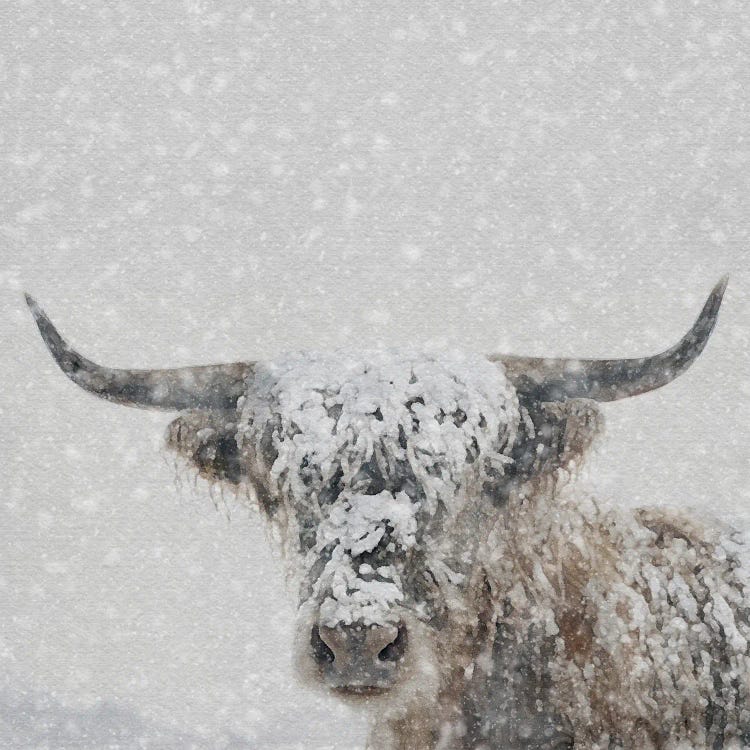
(359, 659)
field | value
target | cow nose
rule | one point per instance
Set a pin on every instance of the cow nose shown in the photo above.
(358, 657)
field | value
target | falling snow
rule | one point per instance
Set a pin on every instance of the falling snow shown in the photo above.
(207, 182)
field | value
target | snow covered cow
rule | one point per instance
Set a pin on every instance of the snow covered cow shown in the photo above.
(450, 578)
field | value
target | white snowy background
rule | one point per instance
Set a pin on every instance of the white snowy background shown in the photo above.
(194, 182)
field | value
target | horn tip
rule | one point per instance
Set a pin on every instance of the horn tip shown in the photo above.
(721, 286)
(36, 311)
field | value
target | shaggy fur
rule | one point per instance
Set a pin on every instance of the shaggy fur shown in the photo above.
(536, 618)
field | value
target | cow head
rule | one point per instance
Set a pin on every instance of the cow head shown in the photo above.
(384, 470)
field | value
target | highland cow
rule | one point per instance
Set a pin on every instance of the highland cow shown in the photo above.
(451, 578)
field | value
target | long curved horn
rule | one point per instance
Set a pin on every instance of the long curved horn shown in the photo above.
(206, 387)
(610, 379)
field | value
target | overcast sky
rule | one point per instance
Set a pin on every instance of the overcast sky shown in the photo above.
(192, 182)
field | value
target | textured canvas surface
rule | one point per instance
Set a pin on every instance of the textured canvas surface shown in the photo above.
(196, 182)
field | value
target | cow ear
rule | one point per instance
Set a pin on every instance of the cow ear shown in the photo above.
(207, 440)
(553, 436)
(575, 425)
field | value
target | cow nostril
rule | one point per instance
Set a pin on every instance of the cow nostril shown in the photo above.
(322, 653)
(396, 649)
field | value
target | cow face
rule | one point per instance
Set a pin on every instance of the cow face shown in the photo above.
(378, 468)
(385, 473)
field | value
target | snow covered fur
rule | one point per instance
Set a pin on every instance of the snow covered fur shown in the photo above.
(546, 620)
(452, 576)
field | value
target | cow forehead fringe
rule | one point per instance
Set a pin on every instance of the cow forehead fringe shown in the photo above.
(338, 405)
